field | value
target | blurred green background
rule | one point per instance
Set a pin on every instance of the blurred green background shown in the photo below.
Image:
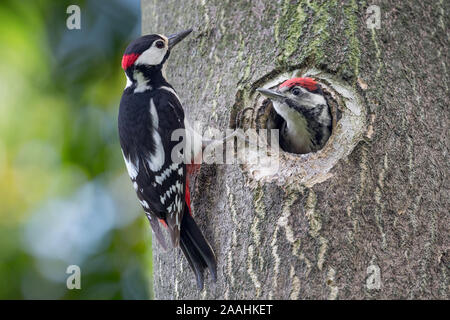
(65, 197)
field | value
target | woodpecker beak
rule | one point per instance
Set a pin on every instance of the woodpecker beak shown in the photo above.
(177, 37)
(272, 94)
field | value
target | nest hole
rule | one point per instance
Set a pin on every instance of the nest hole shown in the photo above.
(253, 111)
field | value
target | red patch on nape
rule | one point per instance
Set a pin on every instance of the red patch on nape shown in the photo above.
(307, 83)
(128, 60)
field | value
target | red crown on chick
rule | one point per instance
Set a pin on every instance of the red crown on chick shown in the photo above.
(307, 83)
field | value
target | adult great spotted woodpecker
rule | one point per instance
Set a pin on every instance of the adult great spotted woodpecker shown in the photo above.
(150, 111)
(305, 113)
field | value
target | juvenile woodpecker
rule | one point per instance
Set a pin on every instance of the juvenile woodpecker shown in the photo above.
(306, 115)
(149, 112)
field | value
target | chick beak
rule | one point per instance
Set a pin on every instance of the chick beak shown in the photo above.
(177, 37)
(272, 94)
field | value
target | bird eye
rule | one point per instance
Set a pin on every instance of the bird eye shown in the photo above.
(159, 44)
(296, 91)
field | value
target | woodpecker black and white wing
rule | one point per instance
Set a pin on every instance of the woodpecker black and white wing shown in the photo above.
(145, 131)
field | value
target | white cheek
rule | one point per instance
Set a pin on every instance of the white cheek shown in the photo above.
(152, 56)
(317, 99)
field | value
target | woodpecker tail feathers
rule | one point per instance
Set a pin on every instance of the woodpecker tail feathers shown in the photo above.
(196, 248)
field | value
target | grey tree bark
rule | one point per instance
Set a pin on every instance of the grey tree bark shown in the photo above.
(378, 226)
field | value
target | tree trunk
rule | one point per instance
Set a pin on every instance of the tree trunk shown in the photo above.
(376, 226)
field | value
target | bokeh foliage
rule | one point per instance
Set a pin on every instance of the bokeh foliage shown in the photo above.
(65, 197)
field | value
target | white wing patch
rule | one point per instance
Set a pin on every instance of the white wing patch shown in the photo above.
(154, 114)
(132, 168)
(156, 159)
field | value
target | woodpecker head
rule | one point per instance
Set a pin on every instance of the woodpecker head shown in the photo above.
(151, 50)
(304, 92)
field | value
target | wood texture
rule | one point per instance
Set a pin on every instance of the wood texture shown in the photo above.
(384, 211)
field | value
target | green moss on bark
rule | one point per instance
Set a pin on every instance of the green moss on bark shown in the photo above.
(354, 52)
